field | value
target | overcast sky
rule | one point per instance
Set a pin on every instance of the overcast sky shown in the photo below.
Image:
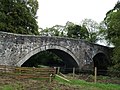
(58, 12)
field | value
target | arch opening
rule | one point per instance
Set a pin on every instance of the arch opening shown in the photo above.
(101, 62)
(57, 58)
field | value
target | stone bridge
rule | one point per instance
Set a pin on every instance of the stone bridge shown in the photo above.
(16, 49)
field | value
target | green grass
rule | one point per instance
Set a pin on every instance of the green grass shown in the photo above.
(7, 87)
(75, 84)
(89, 85)
(97, 85)
(11, 87)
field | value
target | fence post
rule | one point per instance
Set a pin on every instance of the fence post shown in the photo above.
(58, 70)
(73, 72)
(95, 79)
(50, 79)
(33, 69)
(5, 68)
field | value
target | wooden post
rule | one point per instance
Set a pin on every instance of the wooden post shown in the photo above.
(73, 72)
(50, 79)
(5, 68)
(58, 70)
(95, 79)
(33, 69)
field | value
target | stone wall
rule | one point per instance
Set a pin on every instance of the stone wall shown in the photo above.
(15, 49)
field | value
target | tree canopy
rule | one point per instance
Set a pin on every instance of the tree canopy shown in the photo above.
(93, 30)
(87, 31)
(76, 31)
(18, 16)
(112, 21)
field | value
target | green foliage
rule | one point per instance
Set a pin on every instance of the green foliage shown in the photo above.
(116, 58)
(112, 21)
(56, 30)
(93, 30)
(87, 31)
(18, 16)
(102, 31)
(11, 87)
(113, 24)
(7, 87)
(77, 31)
(74, 31)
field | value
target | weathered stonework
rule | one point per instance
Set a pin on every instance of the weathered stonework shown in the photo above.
(15, 49)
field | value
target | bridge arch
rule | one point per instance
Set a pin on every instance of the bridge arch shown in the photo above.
(64, 53)
(101, 61)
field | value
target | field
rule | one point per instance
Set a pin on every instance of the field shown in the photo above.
(8, 82)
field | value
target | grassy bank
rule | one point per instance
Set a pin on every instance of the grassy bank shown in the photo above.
(89, 85)
(58, 83)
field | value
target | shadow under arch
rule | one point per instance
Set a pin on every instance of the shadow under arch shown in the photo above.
(64, 53)
(100, 61)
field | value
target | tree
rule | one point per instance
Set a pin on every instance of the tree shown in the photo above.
(77, 31)
(74, 31)
(18, 16)
(56, 30)
(93, 30)
(112, 21)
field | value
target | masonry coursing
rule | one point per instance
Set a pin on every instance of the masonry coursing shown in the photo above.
(15, 49)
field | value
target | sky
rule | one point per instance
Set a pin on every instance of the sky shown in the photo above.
(58, 12)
